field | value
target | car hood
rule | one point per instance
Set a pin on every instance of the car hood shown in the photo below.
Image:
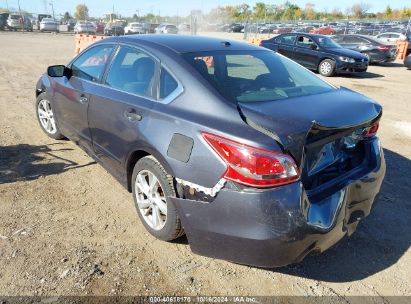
(346, 53)
(289, 121)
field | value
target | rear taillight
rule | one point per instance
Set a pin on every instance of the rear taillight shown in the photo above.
(251, 166)
(372, 130)
(382, 48)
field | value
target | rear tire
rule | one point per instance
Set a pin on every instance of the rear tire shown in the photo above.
(326, 67)
(152, 187)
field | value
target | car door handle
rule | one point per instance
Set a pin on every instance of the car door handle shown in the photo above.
(83, 99)
(132, 115)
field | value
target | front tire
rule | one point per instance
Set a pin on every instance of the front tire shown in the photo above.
(152, 187)
(46, 118)
(326, 67)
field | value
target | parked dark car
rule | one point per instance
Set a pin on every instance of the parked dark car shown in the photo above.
(3, 21)
(375, 50)
(100, 28)
(150, 28)
(114, 29)
(235, 28)
(317, 52)
(255, 158)
(407, 61)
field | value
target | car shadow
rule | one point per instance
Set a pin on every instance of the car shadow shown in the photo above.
(25, 162)
(364, 75)
(380, 240)
(391, 64)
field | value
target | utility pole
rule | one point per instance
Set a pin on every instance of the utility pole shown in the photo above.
(52, 7)
(7, 5)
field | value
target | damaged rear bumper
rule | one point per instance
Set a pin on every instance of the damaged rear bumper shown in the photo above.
(279, 226)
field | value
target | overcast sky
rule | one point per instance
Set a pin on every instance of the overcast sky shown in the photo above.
(177, 7)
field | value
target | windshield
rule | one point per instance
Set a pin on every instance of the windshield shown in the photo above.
(327, 42)
(254, 76)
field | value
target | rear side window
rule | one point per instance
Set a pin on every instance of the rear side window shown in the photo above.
(132, 71)
(287, 39)
(91, 64)
(167, 84)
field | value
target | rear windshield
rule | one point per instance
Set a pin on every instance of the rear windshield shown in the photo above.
(14, 16)
(255, 76)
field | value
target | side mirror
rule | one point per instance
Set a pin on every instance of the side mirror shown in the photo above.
(58, 71)
(313, 46)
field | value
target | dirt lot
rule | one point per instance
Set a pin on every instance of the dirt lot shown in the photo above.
(68, 228)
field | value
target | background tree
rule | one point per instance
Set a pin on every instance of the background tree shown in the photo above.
(388, 12)
(67, 16)
(81, 12)
(309, 11)
(360, 10)
(260, 11)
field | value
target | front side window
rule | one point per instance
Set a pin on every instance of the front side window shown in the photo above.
(254, 76)
(132, 71)
(91, 64)
(304, 41)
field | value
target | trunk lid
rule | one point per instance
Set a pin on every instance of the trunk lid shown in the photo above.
(322, 132)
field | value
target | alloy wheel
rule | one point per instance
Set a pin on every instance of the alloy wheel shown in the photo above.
(46, 116)
(325, 67)
(151, 200)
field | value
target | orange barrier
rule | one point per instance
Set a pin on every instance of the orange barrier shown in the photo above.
(255, 41)
(83, 41)
(402, 47)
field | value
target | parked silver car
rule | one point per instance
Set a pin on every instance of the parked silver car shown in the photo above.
(49, 25)
(167, 29)
(134, 28)
(84, 27)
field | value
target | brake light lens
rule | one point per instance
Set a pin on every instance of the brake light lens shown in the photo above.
(382, 48)
(251, 166)
(372, 130)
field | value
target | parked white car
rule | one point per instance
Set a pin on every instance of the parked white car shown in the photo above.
(49, 25)
(391, 38)
(134, 28)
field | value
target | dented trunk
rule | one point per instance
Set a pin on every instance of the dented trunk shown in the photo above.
(324, 134)
(326, 137)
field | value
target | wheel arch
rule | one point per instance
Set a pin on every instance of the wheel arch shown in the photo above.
(137, 154)
(326, 57)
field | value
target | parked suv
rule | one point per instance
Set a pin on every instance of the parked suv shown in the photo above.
(256, 159)
(317, 52)
(19, 22)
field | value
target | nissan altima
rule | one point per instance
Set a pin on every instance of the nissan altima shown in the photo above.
(256, 159)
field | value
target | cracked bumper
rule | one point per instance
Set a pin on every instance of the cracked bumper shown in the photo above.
(272, 228)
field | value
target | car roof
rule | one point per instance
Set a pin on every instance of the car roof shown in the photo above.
(305, 34)
(188, 44)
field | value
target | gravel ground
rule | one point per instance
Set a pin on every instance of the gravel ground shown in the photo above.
(68, 228)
